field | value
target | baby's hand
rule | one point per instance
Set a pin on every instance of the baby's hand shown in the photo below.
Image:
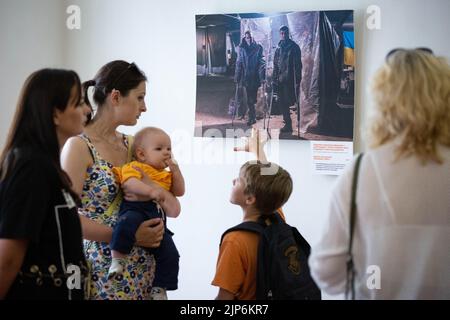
(172, 164)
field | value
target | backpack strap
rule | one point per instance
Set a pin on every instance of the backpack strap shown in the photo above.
(273, 218)
(251, 226)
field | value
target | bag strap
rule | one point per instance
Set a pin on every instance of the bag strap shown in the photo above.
(119, 196)
(91, 147)
(256, 226)
(350, 284)
(251, 226)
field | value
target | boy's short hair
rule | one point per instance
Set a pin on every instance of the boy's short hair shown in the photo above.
(271, 191)
(140, 136)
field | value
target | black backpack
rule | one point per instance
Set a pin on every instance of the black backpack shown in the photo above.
(282, 271)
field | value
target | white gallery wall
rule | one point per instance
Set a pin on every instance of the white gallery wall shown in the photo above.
(31, 37)
(159, 36)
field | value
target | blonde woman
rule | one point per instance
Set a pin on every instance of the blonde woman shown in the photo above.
(402, 228)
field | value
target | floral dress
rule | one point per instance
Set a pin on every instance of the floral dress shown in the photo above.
(99, 191)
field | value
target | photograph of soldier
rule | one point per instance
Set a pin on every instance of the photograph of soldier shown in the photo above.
(289, 73)
(286, 77)
(249, 75)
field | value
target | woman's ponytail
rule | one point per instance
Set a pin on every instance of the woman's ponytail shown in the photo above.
(85, 89)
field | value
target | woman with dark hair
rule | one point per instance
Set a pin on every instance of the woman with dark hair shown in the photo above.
(119, 91)
(41, 250)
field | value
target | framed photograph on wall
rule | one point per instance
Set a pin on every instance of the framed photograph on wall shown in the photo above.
(290, 73)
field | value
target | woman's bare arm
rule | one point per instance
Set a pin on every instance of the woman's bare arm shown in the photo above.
(75, 160)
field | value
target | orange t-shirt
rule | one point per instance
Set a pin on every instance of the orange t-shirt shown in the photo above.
(237, 263)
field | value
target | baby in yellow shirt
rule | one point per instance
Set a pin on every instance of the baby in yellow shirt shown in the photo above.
(152, 150)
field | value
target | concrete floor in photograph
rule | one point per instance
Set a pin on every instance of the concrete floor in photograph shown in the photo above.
(214, 94)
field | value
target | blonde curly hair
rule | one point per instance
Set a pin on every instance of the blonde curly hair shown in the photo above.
(412, 97)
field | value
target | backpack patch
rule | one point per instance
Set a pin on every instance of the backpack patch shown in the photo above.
(294, 264)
